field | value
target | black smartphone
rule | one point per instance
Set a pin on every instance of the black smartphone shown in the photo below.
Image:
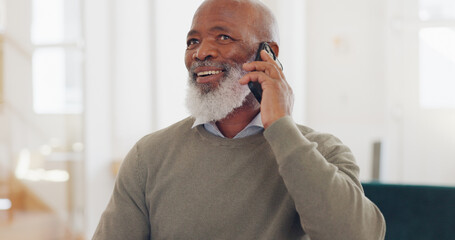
(255, 87)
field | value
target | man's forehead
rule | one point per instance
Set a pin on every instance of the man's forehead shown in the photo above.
(223, 11)
(239, 15)
(216, 17)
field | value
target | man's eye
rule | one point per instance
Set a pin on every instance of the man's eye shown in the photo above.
(191, 42)
(225, 37)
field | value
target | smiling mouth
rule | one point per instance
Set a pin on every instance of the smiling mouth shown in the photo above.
(208, 73)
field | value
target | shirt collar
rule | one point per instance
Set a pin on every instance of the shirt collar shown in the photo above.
(253, 127)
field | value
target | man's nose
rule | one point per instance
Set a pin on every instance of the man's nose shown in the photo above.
(205, 51)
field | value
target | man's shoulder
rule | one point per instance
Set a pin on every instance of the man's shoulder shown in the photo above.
(320, 137)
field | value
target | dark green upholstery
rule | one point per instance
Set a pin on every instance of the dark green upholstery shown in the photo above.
(415, 212)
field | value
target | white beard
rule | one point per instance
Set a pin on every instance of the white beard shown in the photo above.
(206, 104)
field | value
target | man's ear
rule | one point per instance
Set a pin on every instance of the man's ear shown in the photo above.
(275, 48)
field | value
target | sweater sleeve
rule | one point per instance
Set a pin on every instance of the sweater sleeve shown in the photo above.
(126, 215)
(322, 178)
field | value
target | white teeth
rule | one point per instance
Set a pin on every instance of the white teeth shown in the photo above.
(208, 73)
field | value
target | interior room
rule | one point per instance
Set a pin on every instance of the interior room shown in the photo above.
(81, 81)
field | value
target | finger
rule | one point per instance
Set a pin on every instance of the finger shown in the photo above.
(270, 69)
(256, 66)
(269, 65)
(254, 77)
(266, 57)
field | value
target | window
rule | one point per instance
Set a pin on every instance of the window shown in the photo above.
(2, 15)
(436, 10)
(57, 59)
(2, 29)
(437, 53)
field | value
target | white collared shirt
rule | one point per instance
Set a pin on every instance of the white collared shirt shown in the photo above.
(254, 127)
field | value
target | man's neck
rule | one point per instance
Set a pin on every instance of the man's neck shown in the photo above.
(235, 122)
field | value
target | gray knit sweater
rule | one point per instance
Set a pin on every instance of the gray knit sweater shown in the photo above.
(288, 182)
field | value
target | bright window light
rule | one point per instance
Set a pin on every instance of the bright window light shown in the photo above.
(57, 87)
(49, 80)
(437, 67)
(2, 15)
(48, 23)
(25, 172)
(5, 204)
(437, 10)
(57, 59)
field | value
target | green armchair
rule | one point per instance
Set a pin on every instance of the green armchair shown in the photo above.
(414, 212)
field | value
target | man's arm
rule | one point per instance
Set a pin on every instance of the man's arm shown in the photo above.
(126, 216)
(321, 175)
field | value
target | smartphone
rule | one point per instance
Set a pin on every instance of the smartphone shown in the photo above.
(255, 87)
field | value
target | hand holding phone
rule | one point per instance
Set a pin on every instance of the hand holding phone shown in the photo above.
(255, 87)
(267, 73)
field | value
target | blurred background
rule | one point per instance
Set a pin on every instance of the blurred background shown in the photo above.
(81, 81)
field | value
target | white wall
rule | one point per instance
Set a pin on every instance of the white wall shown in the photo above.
(98, 115)
(363, 86)
(118, 92)
(132, 73)
(345, 81)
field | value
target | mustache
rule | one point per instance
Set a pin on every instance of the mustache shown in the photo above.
(225, 66)
(209, 63)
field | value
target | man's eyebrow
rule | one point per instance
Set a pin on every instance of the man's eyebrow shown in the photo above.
(213, 29)
(192, 32)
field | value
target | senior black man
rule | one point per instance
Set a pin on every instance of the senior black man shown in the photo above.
(237, 169)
